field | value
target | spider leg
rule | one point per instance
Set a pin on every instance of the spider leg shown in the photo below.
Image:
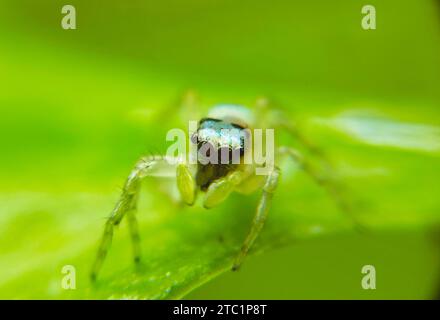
(278, 119)
(297, 134)
(260, 216)
(333, 187)
(190, 106)
(126, 205)
(184, 108)
(135, 236)
(326, 181)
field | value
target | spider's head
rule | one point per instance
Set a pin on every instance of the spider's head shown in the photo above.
(223, 131)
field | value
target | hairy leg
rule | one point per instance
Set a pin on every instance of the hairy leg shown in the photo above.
(260, 216)
(325, 176)
(135, 236)
(126, 205)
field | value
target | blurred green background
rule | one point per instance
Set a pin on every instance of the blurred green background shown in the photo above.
(78, 107)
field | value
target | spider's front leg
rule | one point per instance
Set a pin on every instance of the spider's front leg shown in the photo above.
(126, 205)
(325, 177)
(263, 207)
(220, 189)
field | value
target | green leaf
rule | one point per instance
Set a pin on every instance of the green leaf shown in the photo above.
(75, 121)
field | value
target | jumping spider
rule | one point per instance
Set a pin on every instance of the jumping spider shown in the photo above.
(217, 181)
